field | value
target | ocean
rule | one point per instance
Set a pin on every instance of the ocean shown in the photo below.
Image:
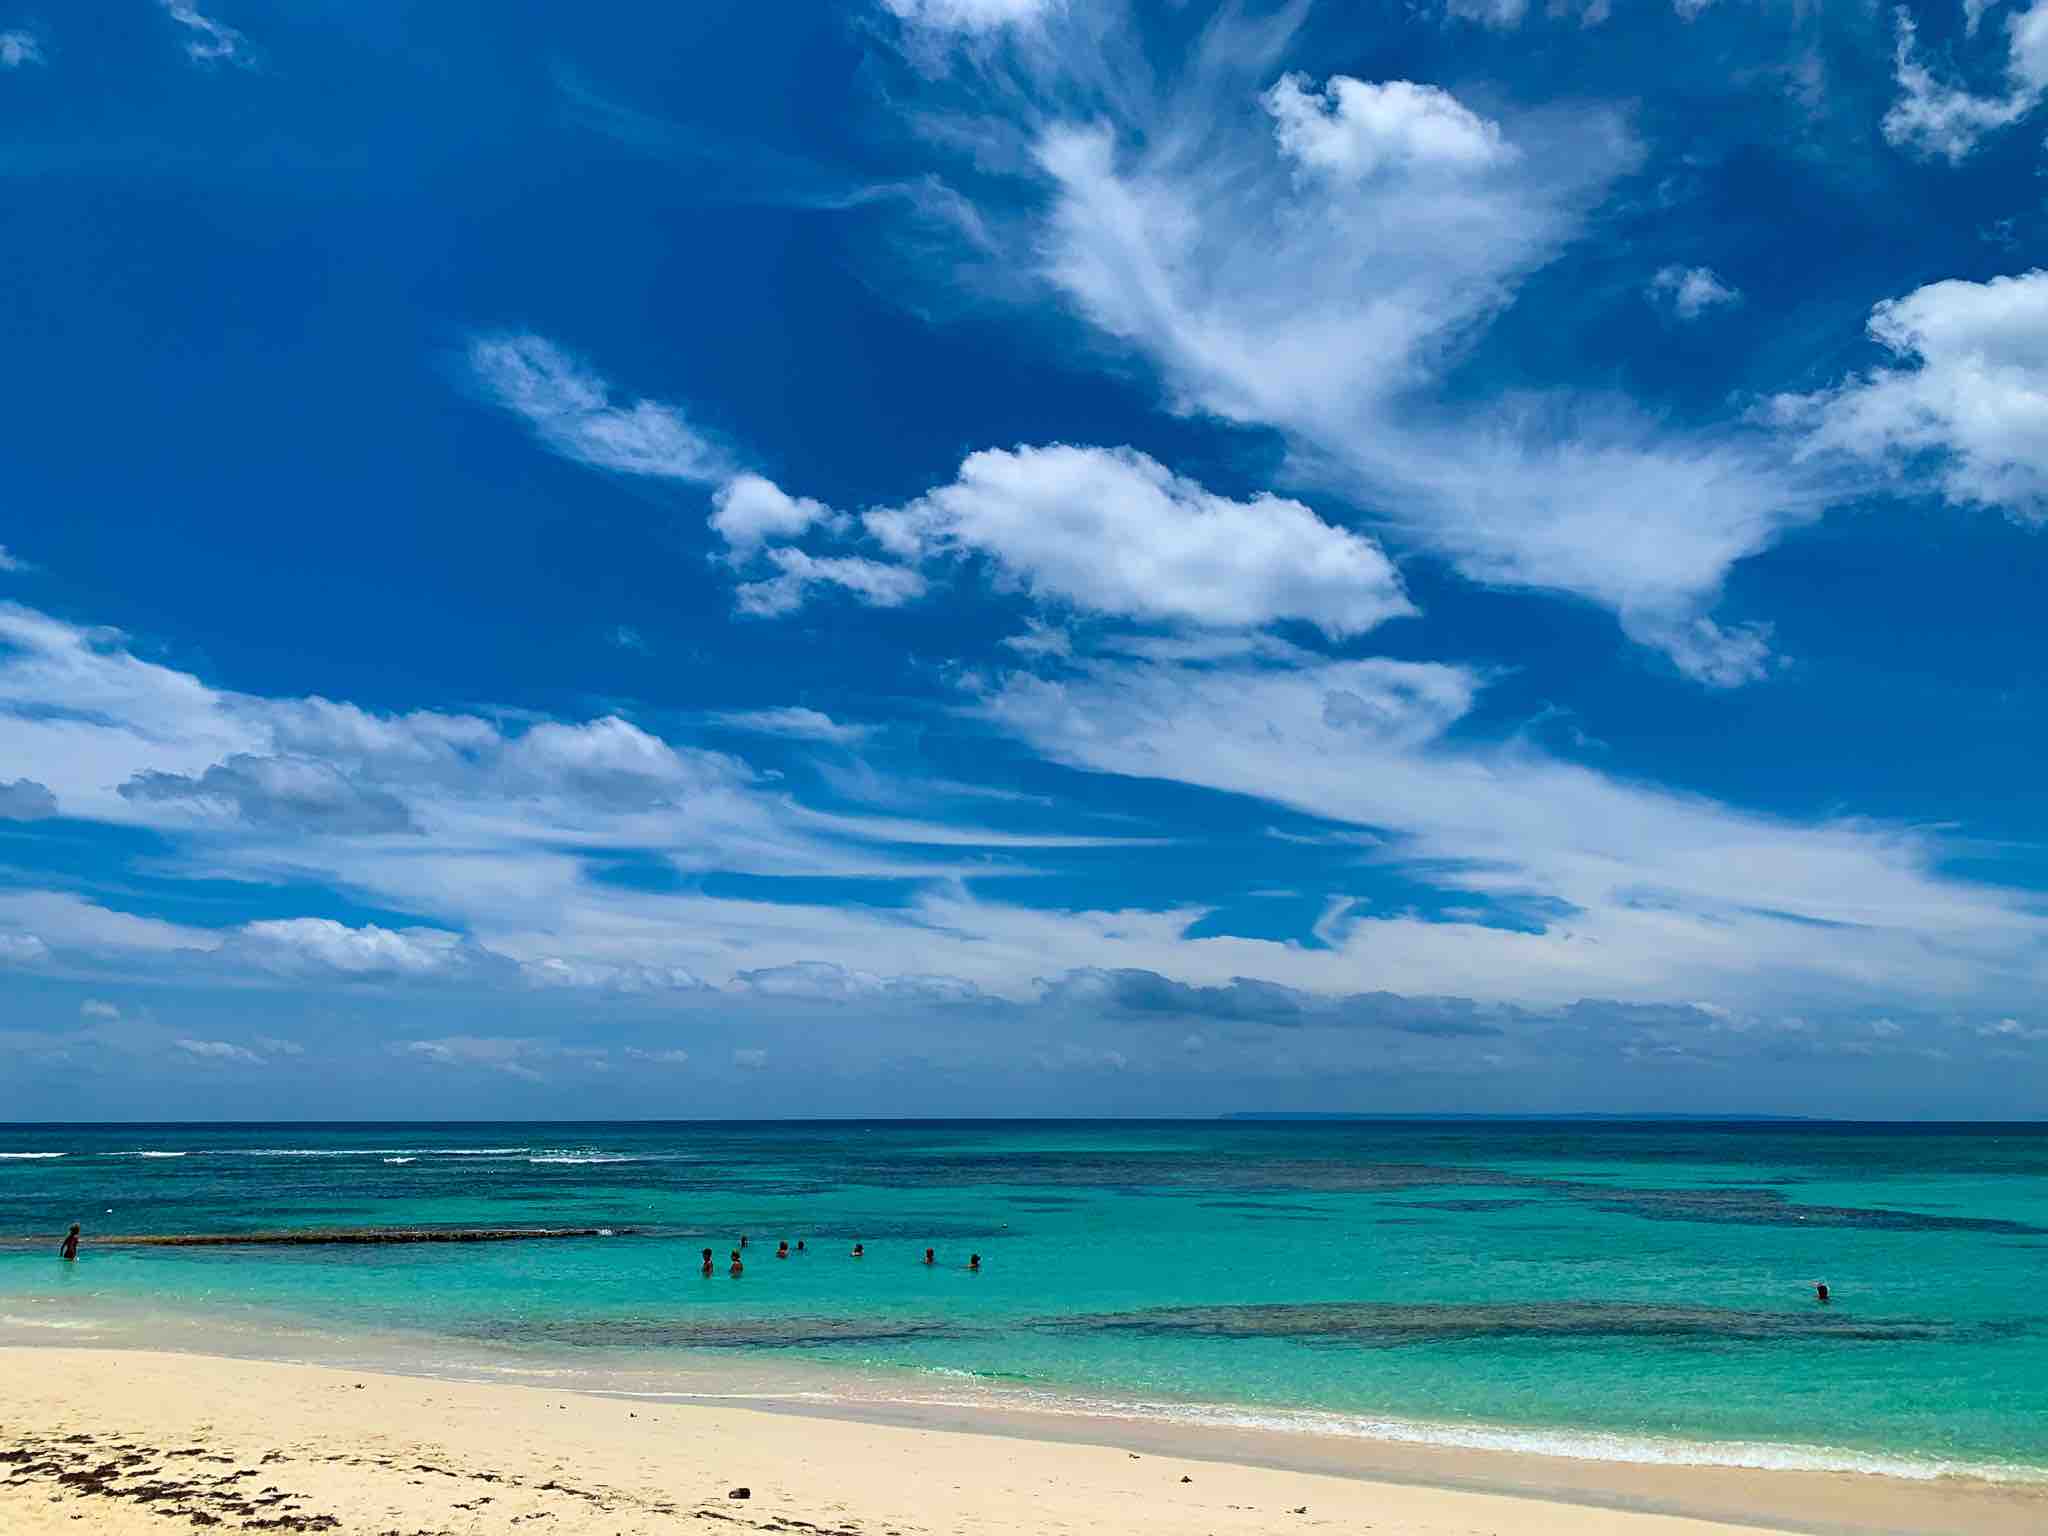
(1637, 1291)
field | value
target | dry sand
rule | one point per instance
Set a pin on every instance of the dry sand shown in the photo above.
(111, 1441)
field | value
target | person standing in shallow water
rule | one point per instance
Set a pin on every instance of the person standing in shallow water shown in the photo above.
(69, 1252)
(707, 1261)
(928, 1257)
(737, 1267)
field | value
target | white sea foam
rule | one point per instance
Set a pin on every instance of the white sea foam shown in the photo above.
(401, 1159)
(1574, 1444)
(146, 1154)
(29, 1157)
(582, 1157)
(365, 1152)
(65, 1324)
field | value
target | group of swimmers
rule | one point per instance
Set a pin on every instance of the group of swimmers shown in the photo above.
(783, 1250)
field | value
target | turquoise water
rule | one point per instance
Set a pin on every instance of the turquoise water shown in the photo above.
(1631, 1290)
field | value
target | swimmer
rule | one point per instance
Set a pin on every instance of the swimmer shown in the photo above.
(928, 1256)
(799, 1245)
(69, 1252)
(974, 1262)
(1820, 1292)
(707, 1261)
(860, 1250)
(743, 1239)
(782, 1249)
(736, 1265)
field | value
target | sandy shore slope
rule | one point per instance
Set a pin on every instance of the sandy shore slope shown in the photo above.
(117, 1442)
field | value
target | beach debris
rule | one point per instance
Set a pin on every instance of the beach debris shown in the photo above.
(1187, 1479)
(741, 1493)
(1300, 1510)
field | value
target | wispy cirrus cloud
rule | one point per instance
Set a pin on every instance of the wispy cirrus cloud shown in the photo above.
(1936, 118)
(213, 42)
(1316, 256)
(18, 47)
(571, 410)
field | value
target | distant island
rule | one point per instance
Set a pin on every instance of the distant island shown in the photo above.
(1292, 1114)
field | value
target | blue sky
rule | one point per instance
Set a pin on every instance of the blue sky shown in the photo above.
(1021, 556)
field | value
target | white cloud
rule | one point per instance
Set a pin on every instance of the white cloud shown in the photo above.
(1332, 306)
(319, 945)
(215, 43)
(797, 722)
(511, 1056)
(1637, 892)
(1691, 291)
(95, 1008)
(872, 582)
(571, 410)
(270, 1045)
(1356, 128)
(1112, 531)
(22, 949)
(10, 562)
(16, 49)
(1936, 118)
(748, 511)
(972, 16)
(626, 638)
(658, 1058)
(1966, 401)
(751, 1060)
(219, 1050)
(1489, 13)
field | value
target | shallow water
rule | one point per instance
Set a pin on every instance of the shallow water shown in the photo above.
(1641, 1291)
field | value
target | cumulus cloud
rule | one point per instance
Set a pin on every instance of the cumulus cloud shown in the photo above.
(16, 49)
(277, 791)
(212, 43)
(321, 946)
(219, 1050)
(749, 511)
(95, 1008)
(1112, 531)
(797, 722)
(22, 949)
(1936, 118)
(26, 800)
(670, 1058)
(751, 1059)
(1356, 128)
(1691, 291)
(1965, 401)
(571, 410)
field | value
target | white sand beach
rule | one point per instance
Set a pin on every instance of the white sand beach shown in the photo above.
(127, 1442)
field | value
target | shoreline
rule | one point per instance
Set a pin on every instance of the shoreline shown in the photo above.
(150, 1399)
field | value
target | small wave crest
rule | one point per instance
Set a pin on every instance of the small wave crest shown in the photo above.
(401, 1159)
(1572, 1444)
(64, 1324)
(29, 1157)
(581, 1157)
